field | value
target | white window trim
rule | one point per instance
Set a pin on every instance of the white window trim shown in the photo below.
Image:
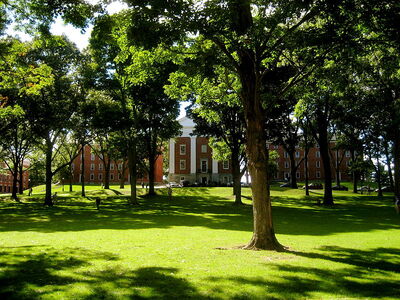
(203, 148)
(225, 165)
(184, 149)
(184, 164)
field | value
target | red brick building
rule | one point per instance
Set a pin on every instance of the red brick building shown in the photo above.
(315, 166)
(94, 170)
(190, 159)
(6, 179)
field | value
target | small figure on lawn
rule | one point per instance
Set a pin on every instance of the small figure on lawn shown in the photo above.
(169, 193)
(98, 202)
(30, 191)
(397, 204)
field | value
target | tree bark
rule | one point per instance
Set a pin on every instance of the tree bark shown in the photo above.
(83, 172)
(14, 189)
(324, 150)
(49, 174)
(293, 169)
(257, 153)
(306, 168)
(132, 157)
(107, 162)
(237, 188)
(21, 178)
(71, 174)
(389, 165)
(396, 155)
(354, 173)
(379, 178)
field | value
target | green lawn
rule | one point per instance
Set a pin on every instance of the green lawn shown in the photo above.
(168, 249)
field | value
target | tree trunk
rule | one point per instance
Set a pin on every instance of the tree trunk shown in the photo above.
(257, 153)
(152, 162)
(21, 178)
(389, 165)
(354, 173)
(49, 174)
(122, 181)
(396, 155)
(132, 157)
(378, 177)
(293, 169)
(71, 174)
(14, 189)
(237, 188)
(83, 172)
(107, 163)
(306, 170)
(324, 150)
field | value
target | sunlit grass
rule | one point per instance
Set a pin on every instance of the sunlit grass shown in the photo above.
(168, 249)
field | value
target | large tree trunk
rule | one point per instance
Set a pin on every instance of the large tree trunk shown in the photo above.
(396, 155)
(71, 174)
(354, 173)
(293, 169)
(49, 174)
(132, 157)
(306, 168)
(83, 172)
(257, 153)
(14, 189)
(389, 165)
(324, 150)
(107, 162)
(21, 178)
(379, 177)
(237, 188)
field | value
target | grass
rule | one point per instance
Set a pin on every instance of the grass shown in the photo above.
(168, 249)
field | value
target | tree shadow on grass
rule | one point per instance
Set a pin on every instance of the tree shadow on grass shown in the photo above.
(291, 217)
(32, 272)
(365, 274)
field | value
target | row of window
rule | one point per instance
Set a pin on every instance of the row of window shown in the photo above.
(317, 154)
(5, 189)
(317, 164)
(182, 149)
(100, 166)
(287, 175)
(203, 165)
(100, 177)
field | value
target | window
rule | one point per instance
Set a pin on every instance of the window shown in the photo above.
(347, 153)
(297, 174)
(297, 154)
(100, 176)
(100, 167)
(317, 154)
(111, 176)
(182, 149)
(285, 154)
(92, 156)
(91, 176)
(318, 174)
(203, 148)
(182, 178)
(318, 164)
(286, 164)
(92, 167)
(111, 166)
(182, 164)
(225, 164)
(119, 176)
(204, 165)
(119, 166)
(275, 147)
